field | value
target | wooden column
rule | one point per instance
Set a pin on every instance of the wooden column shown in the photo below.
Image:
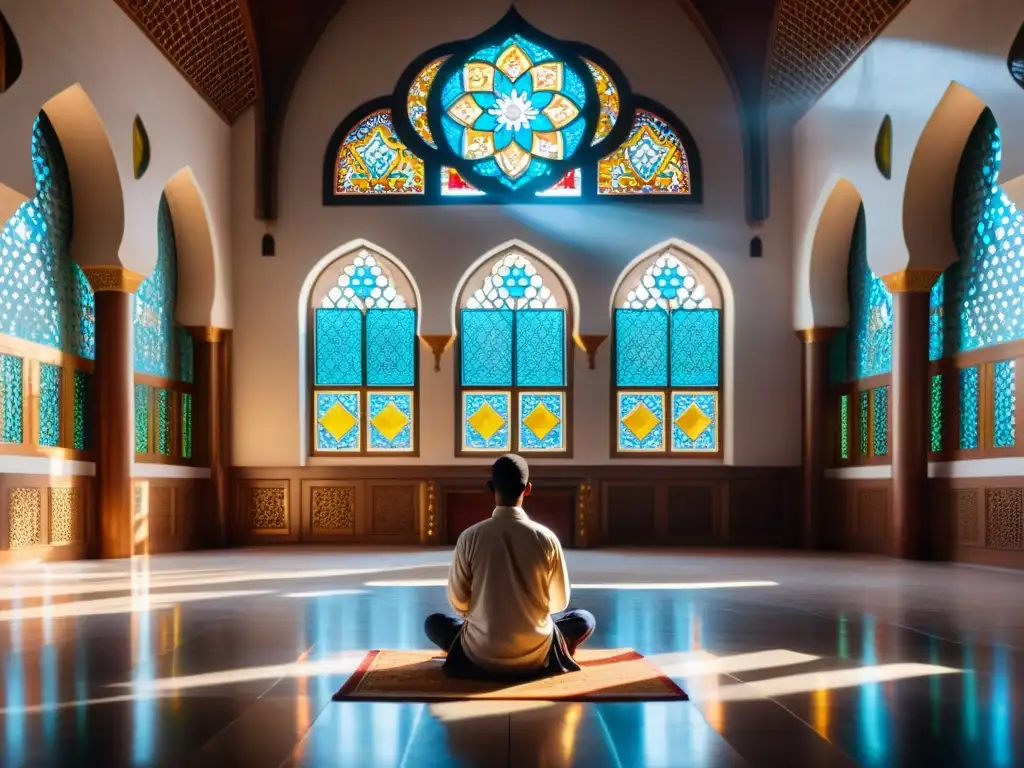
(115, 410)
(814, 394)
(213, 427)
(909, 406)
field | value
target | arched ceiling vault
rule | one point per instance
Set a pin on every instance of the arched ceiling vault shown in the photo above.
(776, 53)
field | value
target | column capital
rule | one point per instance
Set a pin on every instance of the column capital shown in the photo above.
(812, 335)
(113, 278)
(208, 333)
(911, 280)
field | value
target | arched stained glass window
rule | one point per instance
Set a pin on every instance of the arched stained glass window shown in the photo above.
(652, 161)
(372, 161)
(154, 304)
(364, 358)
(668, 358)
(45, 296)
(513, 359)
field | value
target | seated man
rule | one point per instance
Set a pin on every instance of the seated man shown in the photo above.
(507, 578)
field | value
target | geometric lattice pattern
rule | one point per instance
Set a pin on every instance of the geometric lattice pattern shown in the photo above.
(864, 421)
(641, 348)
(513, 283)
(1004, 404)
(206, 39)
(25, 506)
(364, 282)
(486, 420)
(695, 348)
(141, 418)
(815, 40)
(969, 402)
(981, 294)
(1004, 526)
(44, 296)
(880, 421)
(870, 311)
(154, 304)
(66, 515)
(164, 423)
(390, 347)
(844, 427)
(540, 348)
(338, 347)
(49, 404)
(694, 421)
(669, 284)
(268, 508)
(333, 509)
(641, 421)
(11, 403)
(935, 430)
(83, 409)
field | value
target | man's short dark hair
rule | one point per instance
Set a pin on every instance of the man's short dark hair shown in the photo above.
(510, 475)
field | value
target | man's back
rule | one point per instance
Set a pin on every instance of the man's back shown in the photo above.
(508, 576)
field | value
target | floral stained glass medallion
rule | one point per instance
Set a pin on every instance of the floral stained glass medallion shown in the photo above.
(513, 109)
(372, 160)
(652, 161)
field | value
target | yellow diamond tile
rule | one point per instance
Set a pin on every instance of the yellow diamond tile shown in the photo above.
(338, 421)
(390, 420)
(541, 421)
(693, 421)
(640, 421)
(486, 421)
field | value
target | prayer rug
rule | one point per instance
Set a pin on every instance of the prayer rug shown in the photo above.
(619, 674)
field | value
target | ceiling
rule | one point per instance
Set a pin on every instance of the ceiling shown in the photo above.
(236, 53)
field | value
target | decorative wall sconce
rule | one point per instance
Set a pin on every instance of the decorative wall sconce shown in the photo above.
(439, 344)
(589, 343)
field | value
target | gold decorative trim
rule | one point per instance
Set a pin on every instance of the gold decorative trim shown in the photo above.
(911, 280)
(439, 343)
(589, 343)
(211, 334)
(583, 510)
(812, 335)
(113, 279)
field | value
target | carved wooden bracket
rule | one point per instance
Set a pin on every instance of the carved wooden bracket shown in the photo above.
(439, 344)
(589, 343)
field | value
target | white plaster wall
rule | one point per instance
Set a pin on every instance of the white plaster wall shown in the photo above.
(668, 61)
(93, 43)
(903, 73)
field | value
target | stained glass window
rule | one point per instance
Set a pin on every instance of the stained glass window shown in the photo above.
(844, 427)
(364, 353)
(186, 355)
(667, 334)
(512, 108)
(608, 96)
(1004, 404)
(141, 418)
(936, 319)
(83, 407)
(453, 185)
(154, 304)
(864, 422)
(44, 296)
(513, 362)
(880, 421)
(12, 405)
(49, 404)
(983, 298)
(652, 161)
(969, 398)
(186, 425)
(936, 413)
(372, 161)
(164, 422)
(416, 100)
(870, 310)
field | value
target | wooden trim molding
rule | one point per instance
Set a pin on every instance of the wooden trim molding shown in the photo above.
(911, 280)
(211, 334)
(113, 278)
(814, 335)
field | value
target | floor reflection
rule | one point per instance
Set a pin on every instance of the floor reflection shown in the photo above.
(185, 660)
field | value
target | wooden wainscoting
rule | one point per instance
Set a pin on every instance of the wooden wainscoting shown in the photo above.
(609, 505)
(979, 520)
(168, 514)
(44, 518)
(856, 517)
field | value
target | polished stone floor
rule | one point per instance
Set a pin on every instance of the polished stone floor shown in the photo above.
(225, 659)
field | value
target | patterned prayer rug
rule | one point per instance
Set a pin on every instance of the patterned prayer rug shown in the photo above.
(619, 674)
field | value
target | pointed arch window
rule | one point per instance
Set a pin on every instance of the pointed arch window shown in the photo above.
(364, 358)
(514, 359)
(667, 373)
